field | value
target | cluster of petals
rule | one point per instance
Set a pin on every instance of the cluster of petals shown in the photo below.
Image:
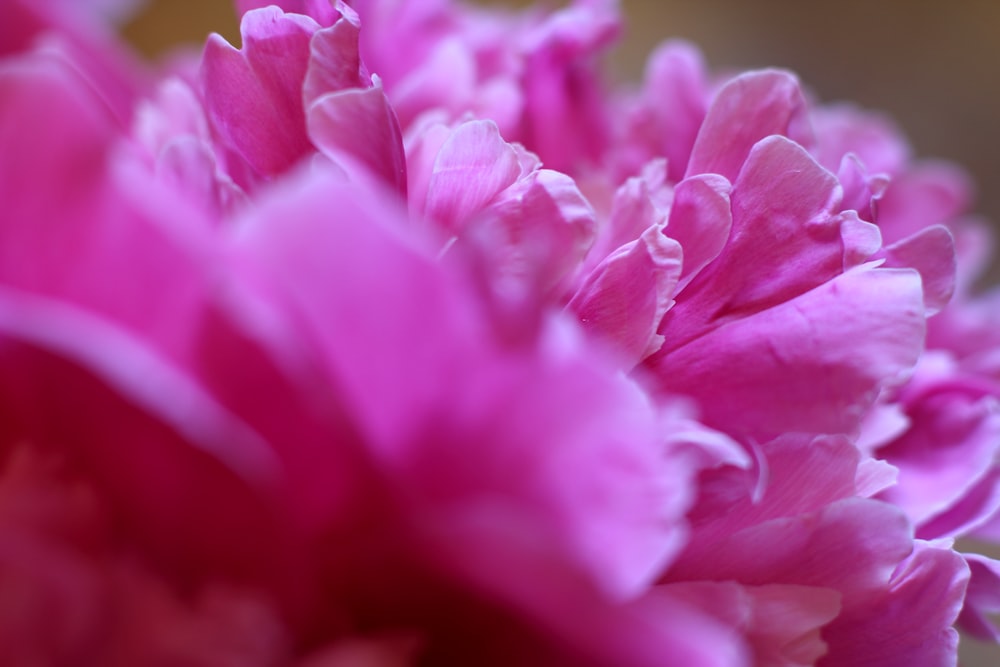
(397, 335)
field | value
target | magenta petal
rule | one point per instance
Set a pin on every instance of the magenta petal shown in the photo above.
(747, 109)
(812, 364)
(625, 297)
(700, 219)
(472, 167)
(254, 95)
(358, 130)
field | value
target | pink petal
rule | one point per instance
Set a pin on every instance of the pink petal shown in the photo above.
(472, 167)
(358, 130)
(700, 219)
(633, 211)
(322, 11)
(536, 233)
(747, 109)
(675, 104)
(254, 95)
(931, 251)
(909, 622)
(785, 240)
(812, 364)
(782, 623)
(982, 598)
(625, 297)
(591, 485)
(334, 61)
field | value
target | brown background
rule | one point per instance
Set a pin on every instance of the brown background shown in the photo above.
(934, 67)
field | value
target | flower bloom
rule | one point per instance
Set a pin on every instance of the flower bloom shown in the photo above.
(316, 354)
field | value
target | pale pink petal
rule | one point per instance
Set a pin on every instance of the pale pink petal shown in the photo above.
(633, 211)
(852, 546)
(447, 79)
(870, 138)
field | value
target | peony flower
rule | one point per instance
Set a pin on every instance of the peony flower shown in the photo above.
(394, 336)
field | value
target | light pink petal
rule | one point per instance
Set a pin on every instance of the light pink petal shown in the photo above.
(747, 109)
(254, 95)
(473, 166)
(909, 622)
(803, 475)
(358, 130)
(625, 297)
(931, 251)
(812, 364)
(700, 219)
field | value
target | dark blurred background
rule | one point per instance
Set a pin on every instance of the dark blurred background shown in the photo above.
(933, 67)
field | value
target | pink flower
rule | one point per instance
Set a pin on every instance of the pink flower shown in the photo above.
(215, 391)
(392, 337)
